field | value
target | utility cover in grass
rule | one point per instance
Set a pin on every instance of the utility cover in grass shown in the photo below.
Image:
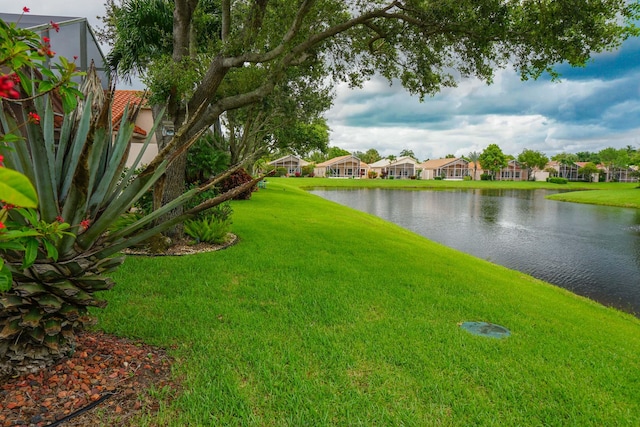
(486, 329)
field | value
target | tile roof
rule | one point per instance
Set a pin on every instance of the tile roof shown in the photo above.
(341, 158)
(438, 163)
(122, 98)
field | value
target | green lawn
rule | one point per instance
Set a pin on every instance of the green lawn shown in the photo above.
(322, 315)
(626, 198)
(430, 183)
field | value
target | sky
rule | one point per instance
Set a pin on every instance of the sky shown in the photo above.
(590, 108)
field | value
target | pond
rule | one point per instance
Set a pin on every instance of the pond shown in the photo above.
(590, 250)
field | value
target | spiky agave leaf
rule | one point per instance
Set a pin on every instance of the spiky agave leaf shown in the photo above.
(77, 163)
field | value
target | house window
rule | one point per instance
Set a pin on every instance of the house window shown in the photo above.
(349, 172)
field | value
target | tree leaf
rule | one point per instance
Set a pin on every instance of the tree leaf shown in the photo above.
(30, 253)
(15, 188)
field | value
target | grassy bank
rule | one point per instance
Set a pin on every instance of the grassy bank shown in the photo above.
(443, 184)
(610, 193)
(626, 198)
(322, 315)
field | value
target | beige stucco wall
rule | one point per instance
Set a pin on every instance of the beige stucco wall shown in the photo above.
(144, 121)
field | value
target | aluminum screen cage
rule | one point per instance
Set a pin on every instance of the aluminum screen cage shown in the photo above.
(75, 38)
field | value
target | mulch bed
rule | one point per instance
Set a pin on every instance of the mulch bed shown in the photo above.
(104, 383)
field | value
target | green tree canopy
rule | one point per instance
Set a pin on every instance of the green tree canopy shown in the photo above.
(370, 156)
(493, 159)
(588, 170)
(423, 45)
(531, 159)
(408, 153)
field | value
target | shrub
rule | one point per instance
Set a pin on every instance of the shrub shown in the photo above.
(437, 178)
(466, 178)
(485, 177)
(208, 230)
(236, 179)
(308, 169)
(555, 180)
(372, 174)
(298, 174)
(281, 171)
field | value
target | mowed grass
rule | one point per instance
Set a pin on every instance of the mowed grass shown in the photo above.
(444, 184)
(322, 315)
(626, 198)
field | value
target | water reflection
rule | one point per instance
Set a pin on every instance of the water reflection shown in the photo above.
(591, 250)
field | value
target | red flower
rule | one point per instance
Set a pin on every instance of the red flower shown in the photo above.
(34, 118)
(1, 160)
(46, 39)
(59, 219)
(7, 87)
(84, 224)
(26, 9)
(55, 26)
(2, 225)
(8, 206)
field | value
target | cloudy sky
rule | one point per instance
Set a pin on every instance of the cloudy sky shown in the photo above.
(590, 109)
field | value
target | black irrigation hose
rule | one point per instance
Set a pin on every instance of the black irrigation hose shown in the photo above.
(81, 410)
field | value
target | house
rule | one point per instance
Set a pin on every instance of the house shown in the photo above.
(404, 168)
(291, 163)
(143, 124)
(569, 171)
(513, 172)
(348, 166)
(73, 38)
(628, 174)
(380, 167)
(450, 168)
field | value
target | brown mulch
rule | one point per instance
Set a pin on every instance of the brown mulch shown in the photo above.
(104, 383)
(185, 247)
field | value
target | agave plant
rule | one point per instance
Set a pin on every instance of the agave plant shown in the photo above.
(78, 168)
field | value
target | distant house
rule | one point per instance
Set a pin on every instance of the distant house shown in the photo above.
(628, 174)
(348, 166)
(451, 168)
(569, 171)
(513, 172)
(291, 163)
(403, 168)
(380, 167)
(143, 124)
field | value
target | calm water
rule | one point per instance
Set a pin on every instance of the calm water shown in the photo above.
(591, 250)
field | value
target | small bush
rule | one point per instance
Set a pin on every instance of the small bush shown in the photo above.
(281, 171)
(208, 230)
(555, 180)
(485, 177)
(236, 179)
(437, 178)
(466, 178)
(372, 174)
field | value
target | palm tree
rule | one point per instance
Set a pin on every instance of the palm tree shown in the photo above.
(473, 157)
